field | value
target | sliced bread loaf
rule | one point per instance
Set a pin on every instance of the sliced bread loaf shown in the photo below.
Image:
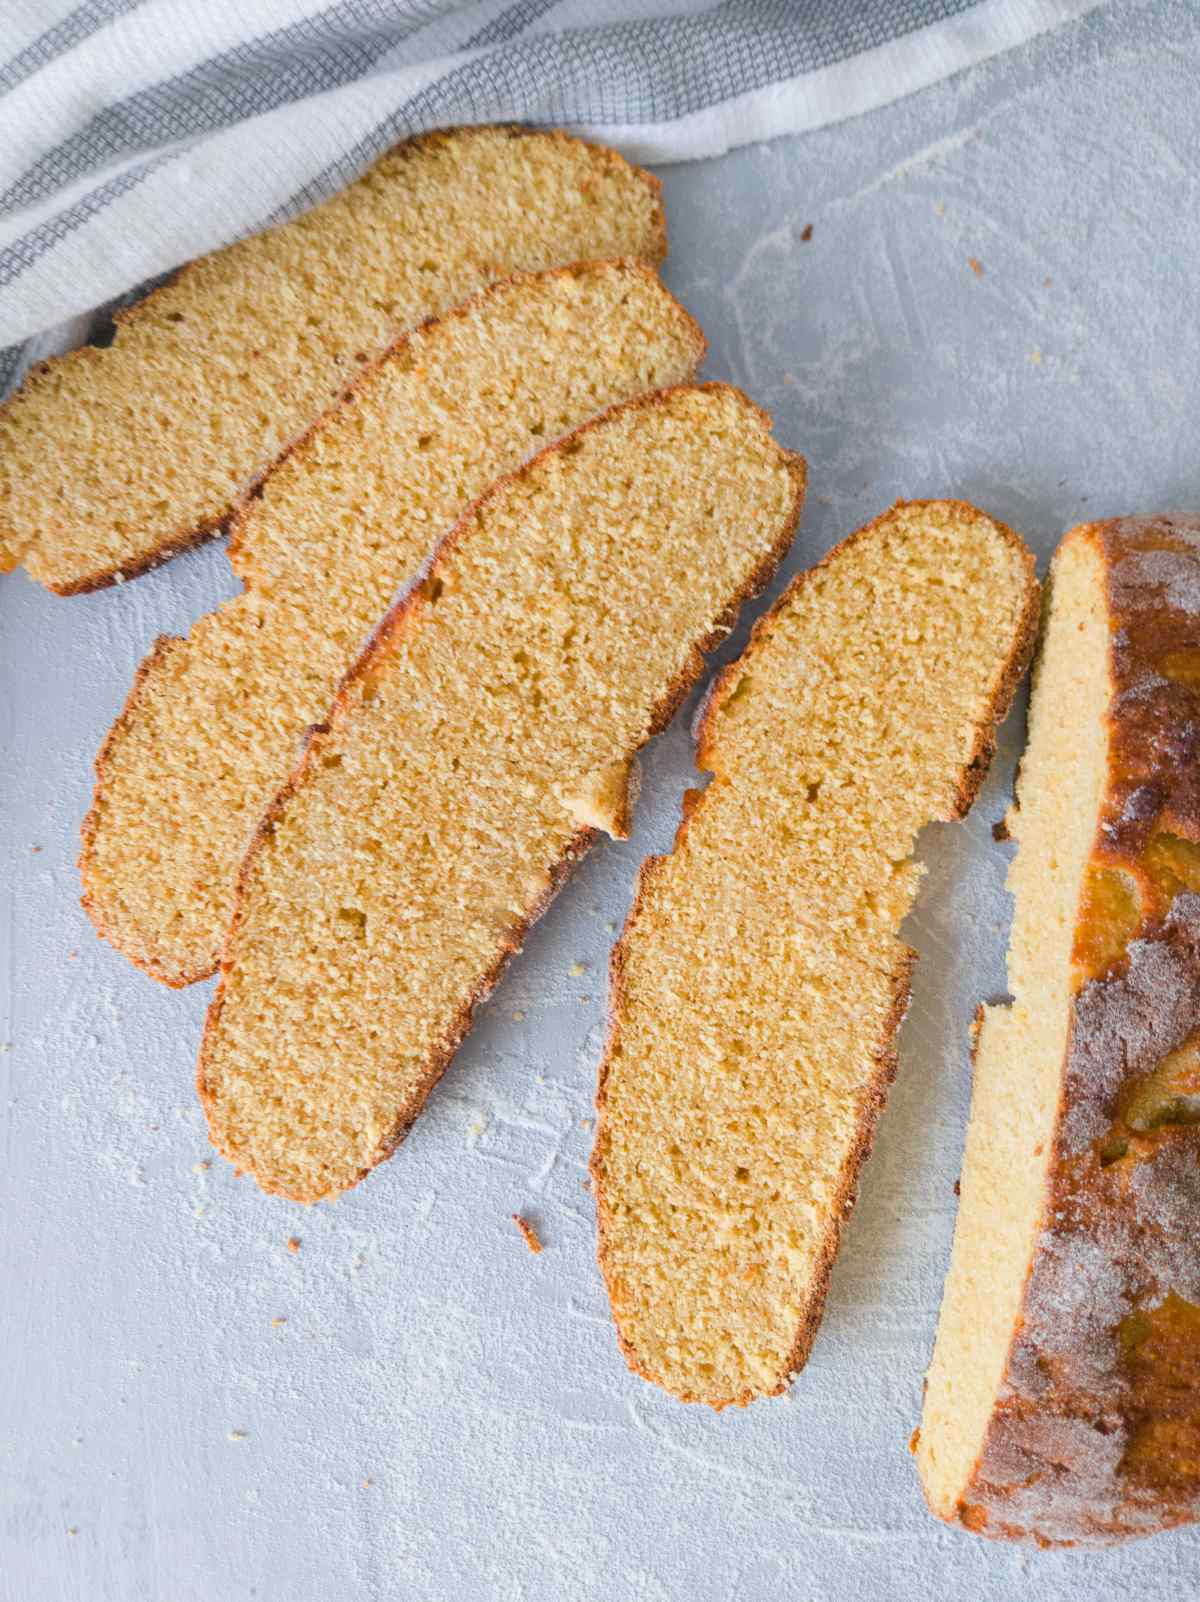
(469, 758)
(1063, 1399)
(111, 460)
(759, 983)
(213, 723)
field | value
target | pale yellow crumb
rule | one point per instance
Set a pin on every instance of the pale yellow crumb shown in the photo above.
(688, 482)
(189, 763)
(762, 977)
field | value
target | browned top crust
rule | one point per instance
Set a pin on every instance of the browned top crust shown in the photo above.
(1097, 1434)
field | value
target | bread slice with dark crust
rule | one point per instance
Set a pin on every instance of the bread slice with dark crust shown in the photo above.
(1062, 1405)
(472, 753)
(213, 723)
(760, 982)
(112, 460)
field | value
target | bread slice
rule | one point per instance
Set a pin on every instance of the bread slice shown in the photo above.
(1063, 1400)
(212, 726)
(759, 983)
(470, 757)
(111, 460)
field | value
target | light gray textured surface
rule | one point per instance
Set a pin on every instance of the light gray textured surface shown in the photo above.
(443, 1416)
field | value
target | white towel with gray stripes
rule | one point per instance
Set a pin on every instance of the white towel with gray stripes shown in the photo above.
(137, 134)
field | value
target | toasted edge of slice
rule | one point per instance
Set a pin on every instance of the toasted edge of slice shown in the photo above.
(158, 436)
(717, 1290)
(212, 724)
(550, 824)
(1062, 1405)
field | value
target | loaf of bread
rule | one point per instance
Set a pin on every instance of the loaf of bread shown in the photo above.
(113, 459)
(212, 726)
(760, 981)
(475, 748)
(1063, 1400)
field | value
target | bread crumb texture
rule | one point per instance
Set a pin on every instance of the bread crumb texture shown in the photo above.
(760, 981)
(528, 1233)
(1063, 1399)
(555, 632)
(212, 376)
(214, 722)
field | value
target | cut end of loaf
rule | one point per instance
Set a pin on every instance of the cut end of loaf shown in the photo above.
(1020, 1048)
(1062, 1400)
(212, 375)
(558, 629)
(760, 981)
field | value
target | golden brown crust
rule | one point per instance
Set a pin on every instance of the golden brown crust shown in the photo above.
(1095, 1437)
(403, 616)
(181, 540)
(885, 1052)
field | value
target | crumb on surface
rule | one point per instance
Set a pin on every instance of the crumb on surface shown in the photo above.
(1035, 357)
(976, 266)
(518, 1016)
(277, 1322)
(293, 1244)
(202, 1166)
(806, 233)
(576, 969)
(528, 1233)
(237, 1435)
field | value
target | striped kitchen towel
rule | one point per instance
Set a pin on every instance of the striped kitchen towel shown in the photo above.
(136, 134)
